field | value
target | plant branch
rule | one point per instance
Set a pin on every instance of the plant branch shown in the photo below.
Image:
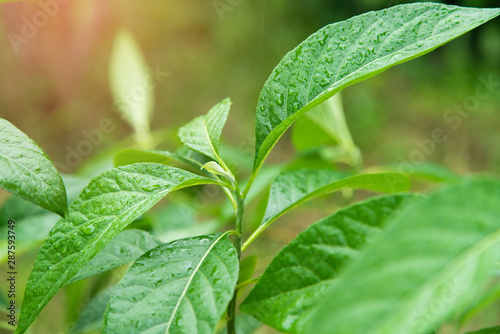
(240, 210)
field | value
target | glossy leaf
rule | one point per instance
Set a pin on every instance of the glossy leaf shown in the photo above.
(292, 188)
(203, 133)
(28, 172)
(131, 85)
(180, 287)
(299, 276)
(431, 261)
(91, 316)
(109, 203)
(348, 52)
(125, 247)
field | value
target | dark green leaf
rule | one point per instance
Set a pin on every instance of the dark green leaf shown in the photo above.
(292, 188)
(491, 330)
(180, 287)
(350, 51)
(28, 172)
(109, 203)
(90, 317)
(430, 262)
(298, 277)
(125, 247)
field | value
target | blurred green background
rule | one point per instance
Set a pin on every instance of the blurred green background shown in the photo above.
(54, 85)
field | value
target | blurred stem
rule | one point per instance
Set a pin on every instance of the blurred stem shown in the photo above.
(240, 210)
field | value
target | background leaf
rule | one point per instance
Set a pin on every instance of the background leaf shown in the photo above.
(28, 172)
(94, 218)
(180, 287)
(431, 261)
(296, 280)
(245, 324)
(125, 247)
(491, 330)
(348, 52)
(91, 316)
(131, 85)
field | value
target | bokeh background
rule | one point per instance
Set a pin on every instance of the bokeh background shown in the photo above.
(54, 85)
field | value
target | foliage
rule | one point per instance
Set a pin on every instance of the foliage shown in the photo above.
(399, 263)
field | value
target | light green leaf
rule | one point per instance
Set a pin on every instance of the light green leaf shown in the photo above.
(108, 204)
(431, 261)
(292, 188)
(131, 85)
(245, 324)
(347, 52)
(298, 277)
(125, 247)
(215, 169)
(203, 133)
(90, 317)
(247, 268)
(491, 330)
(28, 172)
(180, 287)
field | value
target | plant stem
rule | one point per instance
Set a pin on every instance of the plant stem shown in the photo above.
(240, 210)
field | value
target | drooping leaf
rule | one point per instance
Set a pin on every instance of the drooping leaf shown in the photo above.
(299, 276)
(245, 324)
(125, 247)
(180, 287)
(491, 330)
(292, 188)
(430, 262)
(109, 203)
(132, 85)
(348, 52)
(91, 316)
(203, 133)
(28, 172)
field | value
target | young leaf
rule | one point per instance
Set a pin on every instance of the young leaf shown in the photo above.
(180, 287)
(90, 317)
(430, 262)
(203, 133)
(215, 169)
(292, 188)
(131, 85)
(298, 277)
(348, 52)
(491, 330)
(28, 172)
(125, 247)
(109, 203)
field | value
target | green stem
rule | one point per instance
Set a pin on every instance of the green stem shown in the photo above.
(240, 210)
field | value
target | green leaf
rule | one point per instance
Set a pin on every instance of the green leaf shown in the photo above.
(28, 172)
(125, 247)
(184, 155)
(245, 324)
(348, 52)
(91, 316)
(431, 261)
(203, 133)
(30, 233)
(215, 169)
(292, 188)
(180, 287)
(108, 204)
(131, 85)
(491, 330)
(247, 268)
(298, 277)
